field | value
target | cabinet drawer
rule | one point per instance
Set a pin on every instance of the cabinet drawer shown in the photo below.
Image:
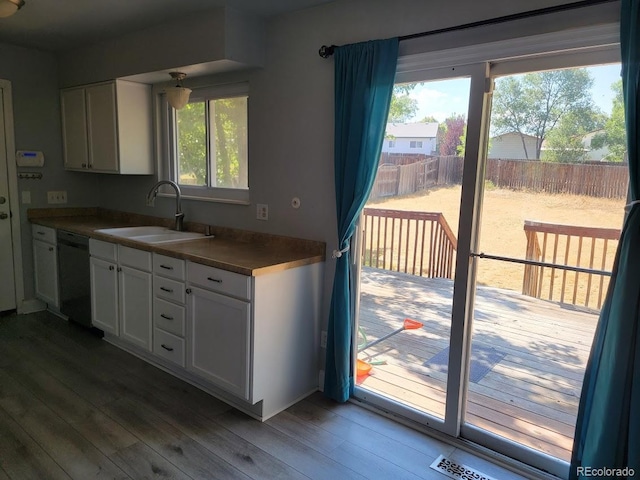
(105, 250)
(169, 316)
(169, 267)
(168, 346)
(46, 234)
(168, 289)
(218, 280)
(134, 258)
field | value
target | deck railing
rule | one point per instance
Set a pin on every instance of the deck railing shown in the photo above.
(419, 243)
(588, 251)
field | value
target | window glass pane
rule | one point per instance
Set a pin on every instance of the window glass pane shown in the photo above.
(229, 142)
(191, 143)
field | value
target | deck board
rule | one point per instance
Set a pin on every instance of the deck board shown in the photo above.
(530, 396)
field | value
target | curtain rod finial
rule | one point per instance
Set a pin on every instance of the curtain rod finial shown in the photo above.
(326, 52)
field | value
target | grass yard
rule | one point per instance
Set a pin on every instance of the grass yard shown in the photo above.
(503, 216)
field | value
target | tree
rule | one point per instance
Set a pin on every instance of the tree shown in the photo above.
(534, 103)
(565, 142)
(450, 133)
(615, 131)
(402, 107)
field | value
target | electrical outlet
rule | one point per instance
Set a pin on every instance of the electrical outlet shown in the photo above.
(262, 211)
(323, 339)
(57, 197)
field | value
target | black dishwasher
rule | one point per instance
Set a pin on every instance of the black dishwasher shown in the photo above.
(74, 277)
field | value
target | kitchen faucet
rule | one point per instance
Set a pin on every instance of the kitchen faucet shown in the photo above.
(153, 193)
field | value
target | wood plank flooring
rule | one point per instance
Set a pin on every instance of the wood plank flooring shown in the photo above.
(530, 396)
(73, 406)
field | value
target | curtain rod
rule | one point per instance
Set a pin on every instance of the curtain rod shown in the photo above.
(326, 51)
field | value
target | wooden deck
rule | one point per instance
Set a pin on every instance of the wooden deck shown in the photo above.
(530, 395)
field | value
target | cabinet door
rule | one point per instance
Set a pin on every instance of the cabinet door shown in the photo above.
(46, 272)
(102, 128)
(135, 306)
(74, 129)
(104, 295)
(218, 344)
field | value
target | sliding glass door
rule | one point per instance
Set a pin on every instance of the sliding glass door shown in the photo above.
(485, 257)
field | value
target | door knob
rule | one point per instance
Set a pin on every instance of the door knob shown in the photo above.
(4, 216)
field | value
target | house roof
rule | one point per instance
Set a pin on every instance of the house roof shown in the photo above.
(508, 134)
(413, 130)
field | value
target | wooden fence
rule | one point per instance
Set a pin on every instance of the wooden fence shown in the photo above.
(587, 247)
(607, 180)
(419, 243)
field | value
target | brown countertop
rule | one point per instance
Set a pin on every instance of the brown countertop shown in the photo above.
(239, 251)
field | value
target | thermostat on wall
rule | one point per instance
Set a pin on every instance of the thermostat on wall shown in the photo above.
(29, 158)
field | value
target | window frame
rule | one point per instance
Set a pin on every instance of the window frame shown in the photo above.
(168, 166)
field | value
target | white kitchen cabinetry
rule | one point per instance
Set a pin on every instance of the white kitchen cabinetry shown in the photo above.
(45, 262)
(121, 292)
(107, 128)
(219, 335)
(169, 312)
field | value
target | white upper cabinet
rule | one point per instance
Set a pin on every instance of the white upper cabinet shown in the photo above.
(107, 128)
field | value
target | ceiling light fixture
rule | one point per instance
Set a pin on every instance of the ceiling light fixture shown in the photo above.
(177, 96)
(9, 7)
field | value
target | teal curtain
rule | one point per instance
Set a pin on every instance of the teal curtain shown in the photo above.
(608, 426)
(364, 78)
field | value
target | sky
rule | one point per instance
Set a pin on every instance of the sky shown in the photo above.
(441, 99)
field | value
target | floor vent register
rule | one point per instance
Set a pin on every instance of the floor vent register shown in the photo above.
(457, 470)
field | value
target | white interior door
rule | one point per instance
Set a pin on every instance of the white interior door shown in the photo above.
(7, 284)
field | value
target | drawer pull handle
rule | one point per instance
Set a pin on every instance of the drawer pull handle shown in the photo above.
(169, 349)
(40, 233)
(166, 317)
(188, 291)
(217, 280)
(168, 290)
(166, 267)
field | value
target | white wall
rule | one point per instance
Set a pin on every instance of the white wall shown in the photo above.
(403, 145)
(509, 146)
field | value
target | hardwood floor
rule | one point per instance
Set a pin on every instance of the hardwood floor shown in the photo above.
(73, 406)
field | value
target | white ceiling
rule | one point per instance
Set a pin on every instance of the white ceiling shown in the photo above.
(58, 25)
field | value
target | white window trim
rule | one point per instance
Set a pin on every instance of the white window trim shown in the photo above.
(238, 196)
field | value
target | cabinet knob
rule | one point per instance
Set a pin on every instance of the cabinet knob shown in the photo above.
(51, 249)
(89, 166)
(84, 165)
(188, 290)
(119, 269)
(4, 216)
(111, 267)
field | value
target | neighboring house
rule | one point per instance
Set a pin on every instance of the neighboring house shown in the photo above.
(597, 155)
(509, 145)
(411, 138)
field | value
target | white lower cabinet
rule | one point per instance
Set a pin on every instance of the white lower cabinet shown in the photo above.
(121, 292)
(104, 295)
(45, 265)
(135, 306)
(249, 340)
(169, 311)
(218, 329)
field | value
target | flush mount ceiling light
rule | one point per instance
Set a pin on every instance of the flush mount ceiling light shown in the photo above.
(9, 7)
(177, 96)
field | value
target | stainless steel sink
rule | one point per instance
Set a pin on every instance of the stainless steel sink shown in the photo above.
(151, 234)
